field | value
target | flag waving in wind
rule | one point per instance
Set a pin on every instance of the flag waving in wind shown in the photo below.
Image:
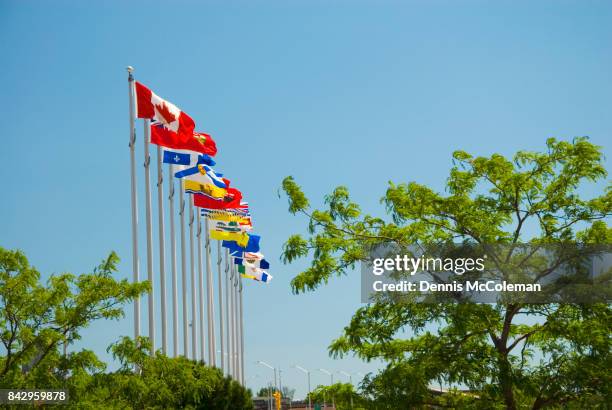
(184, 159)
(202, 179)
(241, 210)
(171, 127)
(255, 263)
(251, 246)
(152, 106)
(194, 141)
(231, 200)
(254, 273)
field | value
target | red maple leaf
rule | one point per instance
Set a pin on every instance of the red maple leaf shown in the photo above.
(166, 114)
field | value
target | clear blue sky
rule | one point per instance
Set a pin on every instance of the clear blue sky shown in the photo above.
(352, 93)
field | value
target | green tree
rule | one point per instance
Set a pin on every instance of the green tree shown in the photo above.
(343, 395)
(35, 319)
(286, 392)
(510, 355)
(265, 391)
(161, 383)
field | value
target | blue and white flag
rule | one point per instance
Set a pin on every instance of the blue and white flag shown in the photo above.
(184, 160)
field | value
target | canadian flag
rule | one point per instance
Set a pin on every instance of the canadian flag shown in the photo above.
(171, 127)
(150, 105)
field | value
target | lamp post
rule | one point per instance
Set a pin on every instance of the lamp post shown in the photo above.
(271, 368)
(331, 375)
(347, 374)
(300, 368)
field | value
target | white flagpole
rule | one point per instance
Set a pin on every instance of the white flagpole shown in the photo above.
(230, 324)
(201, 287)
(193, 284)
(184, 271)
(220, 280)
(149, 223)
(237, 324)
(237, 328)
(173, 262)
(234, 335)
(228, 274)
(162, 248)
(134, 199)
(241, 322)
(210, 308)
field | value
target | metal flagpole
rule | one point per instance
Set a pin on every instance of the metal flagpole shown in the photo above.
(134, 198)
(173, 262)
(228, 312)
(184, 271)
(238, 336)
(234, 323)
(241, 322)
(230, 324)
(149, 223)
(193, 284)
(220, 280)
(162, 248)
(237, 324)
(210, 307)
(201, 287)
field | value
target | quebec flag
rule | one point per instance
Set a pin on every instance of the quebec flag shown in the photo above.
(184, 159)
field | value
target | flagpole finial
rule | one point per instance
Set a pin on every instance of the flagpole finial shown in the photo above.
(130, 69)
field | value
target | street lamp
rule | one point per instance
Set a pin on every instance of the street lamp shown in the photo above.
(300, 368)
(327, 372)
(330, 374)
(271, 368)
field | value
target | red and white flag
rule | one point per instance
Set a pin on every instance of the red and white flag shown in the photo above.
(150, 105)
(171, 127)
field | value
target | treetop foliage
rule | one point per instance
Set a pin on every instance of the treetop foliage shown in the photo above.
(488, 200)
(38, 320)
(509, 355)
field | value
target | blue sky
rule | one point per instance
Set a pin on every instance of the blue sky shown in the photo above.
(333, 93)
